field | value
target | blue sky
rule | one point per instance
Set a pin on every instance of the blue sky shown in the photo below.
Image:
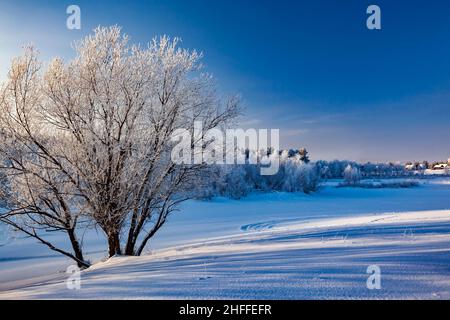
(310, 68)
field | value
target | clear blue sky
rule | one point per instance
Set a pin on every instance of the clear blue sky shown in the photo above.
(310, 68)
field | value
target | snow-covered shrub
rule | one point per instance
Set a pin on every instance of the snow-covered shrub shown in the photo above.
(205, 186)
(335, 169)
(298, 176)
(237, 181)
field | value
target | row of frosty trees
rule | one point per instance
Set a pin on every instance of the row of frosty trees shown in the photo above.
(87, 143)
(296, 174)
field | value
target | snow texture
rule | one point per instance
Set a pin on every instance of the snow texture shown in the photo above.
(267, 246)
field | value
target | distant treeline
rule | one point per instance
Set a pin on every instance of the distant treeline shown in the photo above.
(296, 174)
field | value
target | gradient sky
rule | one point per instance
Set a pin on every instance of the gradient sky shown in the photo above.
(310, 68)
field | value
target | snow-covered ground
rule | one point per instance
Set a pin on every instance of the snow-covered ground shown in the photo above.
(267, 246)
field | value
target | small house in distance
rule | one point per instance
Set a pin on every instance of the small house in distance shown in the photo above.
(416, 166)
(440, 166)
(428, 167)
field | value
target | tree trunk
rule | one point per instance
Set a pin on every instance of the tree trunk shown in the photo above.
(141, 248)
(77, 250)
(114, 245)
(131, 241)
(129, 250)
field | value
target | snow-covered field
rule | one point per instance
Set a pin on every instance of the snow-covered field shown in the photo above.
(267, 246)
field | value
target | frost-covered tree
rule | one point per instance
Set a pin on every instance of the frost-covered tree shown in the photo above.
(38, 191)
(237, 181)
(352, 175)
(304, 155)
(89, 141)
(335, 169)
